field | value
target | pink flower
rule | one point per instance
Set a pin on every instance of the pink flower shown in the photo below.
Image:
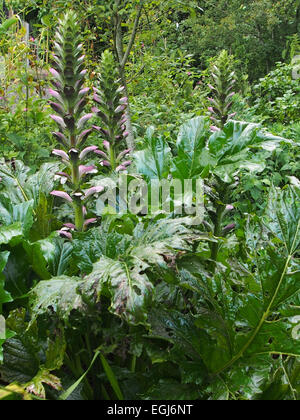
(102, 154)
(55, 94)
(124, 153)
(214, 129)
(93, 190)
(63, 175)
(106, 144)
(86, 151)
(84, 170)
(57, 108)
(83, 120)
(229, 207)
(83, 72)
(95, 110)
(105, 163)
(121, 168)
(70, 226)
(124, 101)
(97, 91)
(89, 221)
(84, 135)
(61, 153)
(59, 121)
(231, 94)
(54, 73)
(61, 138)
(120, 108)
(65, 234)
(63, 195)
(98, 99)
(84, 91)
(229, 227)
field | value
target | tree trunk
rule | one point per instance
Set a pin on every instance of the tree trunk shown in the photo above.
(123, 58)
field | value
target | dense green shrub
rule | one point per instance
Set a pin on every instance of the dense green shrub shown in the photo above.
(277, 96)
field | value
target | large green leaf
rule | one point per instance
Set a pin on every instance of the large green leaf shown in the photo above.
(11, 235)
(154, 162)
(237, 137)
(57, 295)
(49, 257)
(19, 186)
(124, 272)
(29, 361)
(283, 215)
(4, 298)
(127, 283)
(120, 271)
(88, 247)
(17, 273)
(22, 212)
(192, 159)
(232, 148)
(4, 295)
(21, 361)
(224, 153)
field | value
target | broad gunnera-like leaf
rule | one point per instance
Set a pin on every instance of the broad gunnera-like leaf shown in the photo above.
(120, 271)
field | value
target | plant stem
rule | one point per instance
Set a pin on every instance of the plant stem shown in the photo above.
(79, 217)
(217, 233)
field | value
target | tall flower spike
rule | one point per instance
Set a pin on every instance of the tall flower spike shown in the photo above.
(70, 98)
(110, 107)
(223, 82)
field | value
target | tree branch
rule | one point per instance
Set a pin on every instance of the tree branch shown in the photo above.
(133, 35)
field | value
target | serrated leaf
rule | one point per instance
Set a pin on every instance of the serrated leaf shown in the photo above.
(128, 286)
(57, 295)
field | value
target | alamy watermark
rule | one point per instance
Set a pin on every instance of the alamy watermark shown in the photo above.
(136, 196)
(2, 328)
(296, 67)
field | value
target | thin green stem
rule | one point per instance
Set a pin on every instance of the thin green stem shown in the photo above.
(261, 322)
(293, 391)
(217, 233)
(133, 363)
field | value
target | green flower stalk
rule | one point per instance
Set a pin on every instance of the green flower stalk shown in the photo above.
(70, 97)
(111, 107)
(222, 90)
